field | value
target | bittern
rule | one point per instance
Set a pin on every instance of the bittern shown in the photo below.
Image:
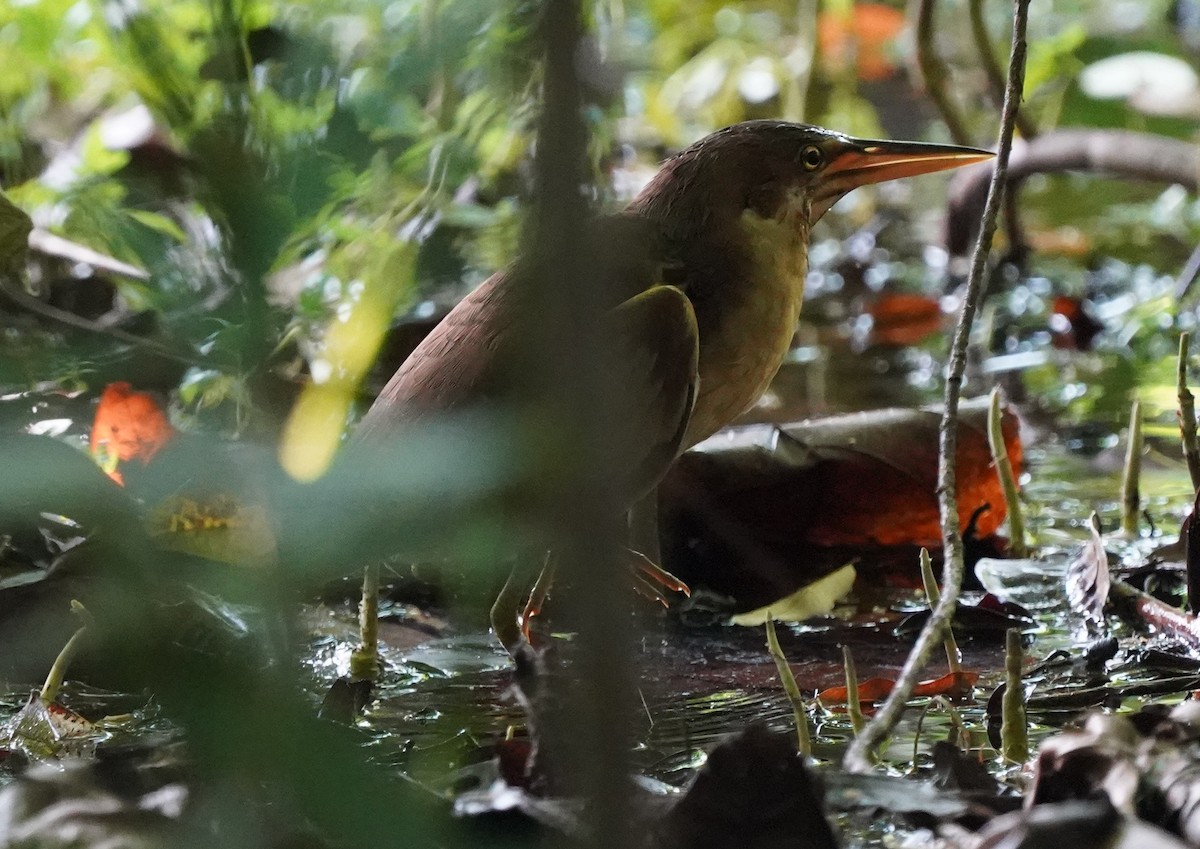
(703, 274)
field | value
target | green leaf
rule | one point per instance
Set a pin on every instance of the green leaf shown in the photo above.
(158, 223)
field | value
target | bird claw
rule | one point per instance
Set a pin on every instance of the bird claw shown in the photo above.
(538, 595)
(650, 581)
(652, 574)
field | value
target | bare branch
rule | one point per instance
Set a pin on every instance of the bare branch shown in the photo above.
(858, 756)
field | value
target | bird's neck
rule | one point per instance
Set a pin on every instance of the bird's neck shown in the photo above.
(746, 314)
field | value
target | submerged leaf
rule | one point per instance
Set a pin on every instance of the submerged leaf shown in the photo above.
(1087, 581)
(877, 689)
(43, 730)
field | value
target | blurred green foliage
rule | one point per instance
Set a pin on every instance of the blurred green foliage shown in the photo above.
(237, 149)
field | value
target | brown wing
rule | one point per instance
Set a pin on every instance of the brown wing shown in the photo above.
(653, 361)
(468, 359)
(462, 362)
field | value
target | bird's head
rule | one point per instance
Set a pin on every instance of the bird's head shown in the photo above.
(772, 168)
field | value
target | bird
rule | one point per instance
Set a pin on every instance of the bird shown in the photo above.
(703, 277)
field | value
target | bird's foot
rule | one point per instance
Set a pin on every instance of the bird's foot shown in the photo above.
(650, 580)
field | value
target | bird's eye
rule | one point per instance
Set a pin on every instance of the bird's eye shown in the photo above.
(812, 158)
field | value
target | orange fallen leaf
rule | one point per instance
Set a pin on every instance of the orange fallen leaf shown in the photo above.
(900, 319)
(863, 37)
(951, 684)
(128, 425)
(870, 690)
(878, 689)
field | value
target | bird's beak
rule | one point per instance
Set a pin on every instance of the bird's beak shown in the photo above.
(860, 162)
(864, 162)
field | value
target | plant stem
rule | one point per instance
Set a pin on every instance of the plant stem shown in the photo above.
(1187, 413)
(1014, 731)
(853, 706)
(58, 671)
(364, 660)
(788, 680)
(1130, 497)
(953, 655)
(1008, 480)
(858, 756)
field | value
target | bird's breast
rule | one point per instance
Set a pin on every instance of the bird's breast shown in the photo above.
(750, 321)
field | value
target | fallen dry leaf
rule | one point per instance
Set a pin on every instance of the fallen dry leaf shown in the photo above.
(877, 689)
(128, 425)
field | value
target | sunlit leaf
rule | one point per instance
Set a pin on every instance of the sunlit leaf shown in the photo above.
(352, 339)
(220, 529)
(815, 599)
(129, 425)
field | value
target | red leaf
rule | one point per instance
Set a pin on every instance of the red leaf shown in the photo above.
(128, 425)
(878, 689)
(899, 319)
(951, 684)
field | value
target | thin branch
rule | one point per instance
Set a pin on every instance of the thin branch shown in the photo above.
(932, 73)
(1117, 153)
(28, 302)
(858, 756)
(991, 69)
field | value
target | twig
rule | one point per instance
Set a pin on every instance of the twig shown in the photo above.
(933, 596)
(1130, 497)
(932, 72)
(1014, 730)
(28, 302)
(1115, 153)
(858, 755)
(991, 70)
(51, 245)
(1187, 276)
(1187, 413)
(790, 689)
(1008, 480)
(853, 705)
(1147, 610)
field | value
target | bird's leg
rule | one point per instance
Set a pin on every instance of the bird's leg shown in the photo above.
(364, 660)
(539, 593)
(645, 553)
(505, 623)
(643, 526)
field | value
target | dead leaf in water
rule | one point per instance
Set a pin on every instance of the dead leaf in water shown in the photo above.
(952, 684)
